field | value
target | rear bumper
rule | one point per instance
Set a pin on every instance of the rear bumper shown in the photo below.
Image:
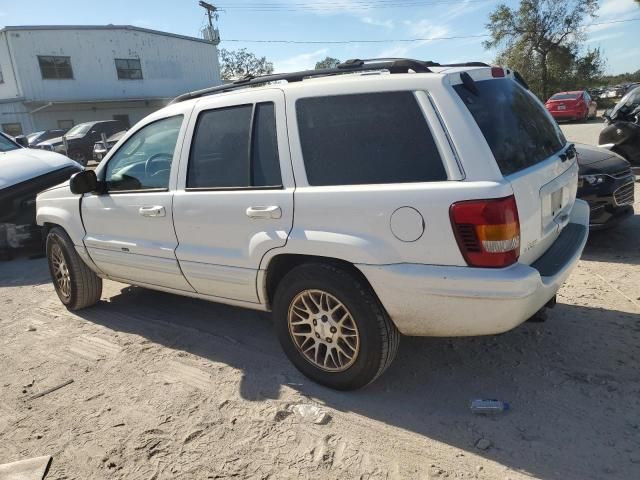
(428, 300)
(567, 114)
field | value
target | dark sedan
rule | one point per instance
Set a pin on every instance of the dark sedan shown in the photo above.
(607, 184)
(36, 137)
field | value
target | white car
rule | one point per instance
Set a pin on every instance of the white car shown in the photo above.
(25, 172)
(401, 197)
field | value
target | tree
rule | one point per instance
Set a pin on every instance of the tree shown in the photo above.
(236, 64)
(329, 62)
(542, 36)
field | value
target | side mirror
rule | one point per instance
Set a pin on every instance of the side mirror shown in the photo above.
(84, 182)
(22, 141)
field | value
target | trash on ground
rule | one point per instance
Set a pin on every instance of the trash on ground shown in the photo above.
(30, 469)
(311, 413)
(52, 389)
(483, 444)
(488, 406)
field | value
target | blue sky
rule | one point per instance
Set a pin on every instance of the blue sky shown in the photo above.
(332, 20)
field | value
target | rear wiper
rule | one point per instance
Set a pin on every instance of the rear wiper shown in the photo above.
(469, 84)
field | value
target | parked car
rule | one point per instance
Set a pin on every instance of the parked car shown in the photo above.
(576, 105)
(595, 93)
(606, 183)
(447, 213)
(101, 148)
(36, 137)
(23, 174)
(622, 133)
(610, 92)
(81, 139)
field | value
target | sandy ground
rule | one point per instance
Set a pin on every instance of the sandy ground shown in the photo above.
(169, 387)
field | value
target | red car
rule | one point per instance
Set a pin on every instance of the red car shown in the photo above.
(576, 105)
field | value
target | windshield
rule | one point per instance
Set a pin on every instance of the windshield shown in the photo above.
(565, 96)
(80, 129)
(515, 124)
(32, 136)
(631, 99)
(7, 145)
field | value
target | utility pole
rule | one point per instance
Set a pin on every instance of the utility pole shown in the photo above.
(212, 33)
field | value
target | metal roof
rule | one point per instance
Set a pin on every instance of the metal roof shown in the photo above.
(100, 27)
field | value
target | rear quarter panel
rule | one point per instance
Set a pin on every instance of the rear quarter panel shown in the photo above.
(353, 222)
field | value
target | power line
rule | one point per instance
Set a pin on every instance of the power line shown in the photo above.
(332, 6)
(396, 40)
(310, 42)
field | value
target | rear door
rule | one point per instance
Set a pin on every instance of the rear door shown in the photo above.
(532, 154)
(234, 200)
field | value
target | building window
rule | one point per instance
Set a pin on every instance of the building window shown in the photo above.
(65, 124)
(12, 129)
(129, 68)
(55, 67)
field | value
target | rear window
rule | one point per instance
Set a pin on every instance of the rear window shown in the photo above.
(516, 126)
(367, 138)
(565, 96)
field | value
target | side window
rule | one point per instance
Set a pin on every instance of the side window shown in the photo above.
(144, 161)
(367, 138)
(228, 151)
(265, 164)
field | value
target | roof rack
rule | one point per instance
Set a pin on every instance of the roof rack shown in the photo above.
(393, 65)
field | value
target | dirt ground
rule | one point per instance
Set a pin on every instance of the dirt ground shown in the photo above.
(168, 387)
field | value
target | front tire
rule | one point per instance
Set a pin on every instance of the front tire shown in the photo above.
(332, 326)
(79, 157)
(76, 284)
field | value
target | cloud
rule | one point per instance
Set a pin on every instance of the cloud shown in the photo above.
(302, 61)
(377, 23)
(622, 54)
(438, 25)
(419, 29)
(460, 9)
(331, 7)
(426, 28)
(612, 8)
(605, 36)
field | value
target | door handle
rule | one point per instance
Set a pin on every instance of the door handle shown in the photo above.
(272, 211)
(154, 211)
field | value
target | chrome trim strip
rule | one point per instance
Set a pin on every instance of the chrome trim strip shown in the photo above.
(446, 132)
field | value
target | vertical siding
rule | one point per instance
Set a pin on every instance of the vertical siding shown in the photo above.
(9, 88)
(170, 65)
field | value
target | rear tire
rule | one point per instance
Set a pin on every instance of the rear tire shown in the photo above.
(76, 284)
(332, 326)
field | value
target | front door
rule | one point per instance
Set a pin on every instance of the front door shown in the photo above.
(234, 200)
(129, 229)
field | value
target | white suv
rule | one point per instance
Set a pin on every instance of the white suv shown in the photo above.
(357, 203)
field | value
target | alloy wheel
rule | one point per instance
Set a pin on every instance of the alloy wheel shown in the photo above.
(323, 330)
(61, 273)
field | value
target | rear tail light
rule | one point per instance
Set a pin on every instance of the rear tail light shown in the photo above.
(497, 72)
(487, 231)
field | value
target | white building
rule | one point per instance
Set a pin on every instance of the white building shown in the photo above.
(58, 76)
